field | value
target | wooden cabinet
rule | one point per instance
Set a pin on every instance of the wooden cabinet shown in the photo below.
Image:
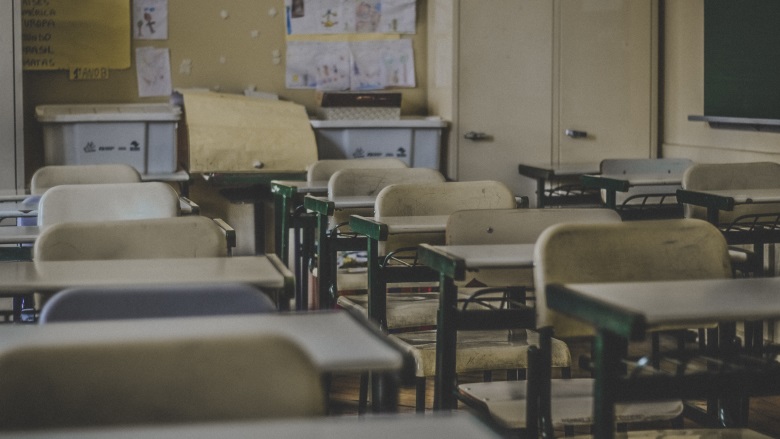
(526, 71)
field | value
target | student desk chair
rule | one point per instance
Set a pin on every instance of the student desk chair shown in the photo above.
(559, 185)
(640, 188)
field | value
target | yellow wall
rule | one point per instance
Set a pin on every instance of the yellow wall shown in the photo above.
(684, 95)
(197, 31)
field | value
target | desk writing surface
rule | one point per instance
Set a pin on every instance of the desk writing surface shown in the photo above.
(353, 201)
(307, 187)
(335, 340)
(431, 426)
(643, 306)
(491, 255)
(415, 224)
(51, 276)
(746, 196)
(641, 179)
(548, 171)
(19, 234)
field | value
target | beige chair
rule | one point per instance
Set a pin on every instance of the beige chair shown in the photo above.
(366, 182)
(107, 202)
(181, 380)
(715, 176)
(179, 237)
(497, 349)
(582, 253)
(406, 310)
(322, 170)
(49, 176)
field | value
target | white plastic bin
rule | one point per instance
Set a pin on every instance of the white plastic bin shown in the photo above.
(141, 135)
(415, 141)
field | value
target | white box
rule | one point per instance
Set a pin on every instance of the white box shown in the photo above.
(141, 135)
(418, 142)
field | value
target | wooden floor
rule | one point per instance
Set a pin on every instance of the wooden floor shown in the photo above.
(764, 412)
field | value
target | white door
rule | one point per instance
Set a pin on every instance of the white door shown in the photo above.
(606, 87)
(504, 88)
(530, 69)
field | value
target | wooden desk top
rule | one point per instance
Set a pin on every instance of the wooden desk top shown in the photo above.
(548, 171)
(19, 234)
(432, 426)
(379, 229)
(298, 186)
(455, 260)
(726, 199)
(51, 276)
(335, 340)
(632, 309)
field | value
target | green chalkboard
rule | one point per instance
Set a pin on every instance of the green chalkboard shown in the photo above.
(742, 58)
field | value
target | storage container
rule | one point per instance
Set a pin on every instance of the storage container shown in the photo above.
(141, 135)
(418, 142)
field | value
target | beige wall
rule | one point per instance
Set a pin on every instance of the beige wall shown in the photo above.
(684, 95)
(199, 33)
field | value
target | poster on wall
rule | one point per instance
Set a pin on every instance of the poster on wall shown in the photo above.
(350, 16)
(153, 71)
(359, 65)
(150, 19)
(76, 35)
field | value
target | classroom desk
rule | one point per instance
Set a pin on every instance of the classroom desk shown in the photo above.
(758, 233)
(452, 262)
(547, 173)
(251, 187)
(288, 202)
(612, 184)
(628, 311)
(19, 234)
(336, 341)
(17, 209)
(377, 231)
(48, 277)
(432, 426)
(328, 246)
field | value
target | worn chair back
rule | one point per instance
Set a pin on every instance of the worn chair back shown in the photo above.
(160, 381)
(54, 175)
(322, 170)
(107, 202)
(177, 237)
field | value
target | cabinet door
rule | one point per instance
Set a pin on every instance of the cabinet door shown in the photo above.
(528, 70)
(504, 88)
(607, 86)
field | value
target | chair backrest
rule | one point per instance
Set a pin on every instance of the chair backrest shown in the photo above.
(516, 226)
(322, 170)
(369, 182)
(715, 176)
(177, 380)
(662, 167)
(107, 202)
(142, 302)
(433, 199)
(54, 175)
(629, 251)
(177, 237)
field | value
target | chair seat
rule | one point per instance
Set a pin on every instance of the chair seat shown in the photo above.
(480, 350)
(572, 403)
(692, 434)
(404, 310)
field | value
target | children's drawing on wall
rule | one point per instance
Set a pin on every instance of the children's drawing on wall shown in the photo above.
(367, 15)
(365, 65)
(153, 69)
(298, 9)
(351, 16)
(150, 18)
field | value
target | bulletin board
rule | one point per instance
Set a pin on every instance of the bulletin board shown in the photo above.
(87, 37)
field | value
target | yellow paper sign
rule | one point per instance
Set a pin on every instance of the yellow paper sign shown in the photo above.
(59, 34)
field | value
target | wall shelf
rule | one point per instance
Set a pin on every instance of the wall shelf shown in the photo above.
(738, 123)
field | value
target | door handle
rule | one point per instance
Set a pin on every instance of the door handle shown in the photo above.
(574, 134)
(476, 136)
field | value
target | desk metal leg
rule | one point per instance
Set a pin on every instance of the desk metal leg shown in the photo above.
(541, 198)
(446, 346)
(607, 350)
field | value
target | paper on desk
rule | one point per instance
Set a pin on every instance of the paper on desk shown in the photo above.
(236, 133)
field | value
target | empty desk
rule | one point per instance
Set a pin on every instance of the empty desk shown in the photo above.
(562, 190)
